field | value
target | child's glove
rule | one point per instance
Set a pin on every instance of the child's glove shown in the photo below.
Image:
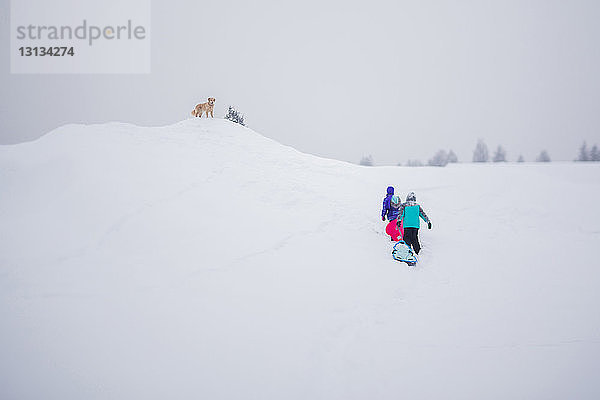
(383, 218)
(429, 225)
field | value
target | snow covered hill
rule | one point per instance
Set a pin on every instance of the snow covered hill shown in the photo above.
(204, 261)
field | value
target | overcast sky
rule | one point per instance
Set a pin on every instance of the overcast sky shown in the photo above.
(343, 79)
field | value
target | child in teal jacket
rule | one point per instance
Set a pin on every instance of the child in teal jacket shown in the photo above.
(410, 214)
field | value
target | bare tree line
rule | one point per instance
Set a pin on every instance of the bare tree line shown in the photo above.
(481, 154)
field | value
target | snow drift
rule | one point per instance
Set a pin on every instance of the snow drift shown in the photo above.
(202, 260)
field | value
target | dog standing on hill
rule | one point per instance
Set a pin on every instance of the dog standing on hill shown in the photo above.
(204, 107)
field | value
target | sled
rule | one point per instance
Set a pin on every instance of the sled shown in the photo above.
(392, 230)
(401, 252)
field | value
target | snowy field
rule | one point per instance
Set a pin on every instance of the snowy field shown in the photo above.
(204, 261)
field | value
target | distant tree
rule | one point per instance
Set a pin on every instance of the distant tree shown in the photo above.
(399, 164)
(595, 154)
(440, 159)
(521, 159)
(583, 153)
(499, 155)
(480, 154)
(367, 161)
(235, 116)
(452, 157)
(543, 157)
(414, 163)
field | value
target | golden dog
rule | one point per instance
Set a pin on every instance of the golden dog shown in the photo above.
(204, 107)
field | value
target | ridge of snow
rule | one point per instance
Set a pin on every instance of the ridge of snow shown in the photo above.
(203, 260)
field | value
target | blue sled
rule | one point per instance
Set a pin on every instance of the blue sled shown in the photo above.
(401, 252)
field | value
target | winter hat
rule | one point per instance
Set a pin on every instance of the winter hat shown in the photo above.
(411, 196)
(395, 200)
(390, 190)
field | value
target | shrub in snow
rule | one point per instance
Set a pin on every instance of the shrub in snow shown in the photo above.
(440, 159)
(480, 154)
(499, 155)
(588, 155)
(583, 153)
(368, 161)
(452, 157)
(595, 154)
(521, 159)
(543, 157)
(234, 116)
(414, 163)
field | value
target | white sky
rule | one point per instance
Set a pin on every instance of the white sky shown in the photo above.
(343, 79)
